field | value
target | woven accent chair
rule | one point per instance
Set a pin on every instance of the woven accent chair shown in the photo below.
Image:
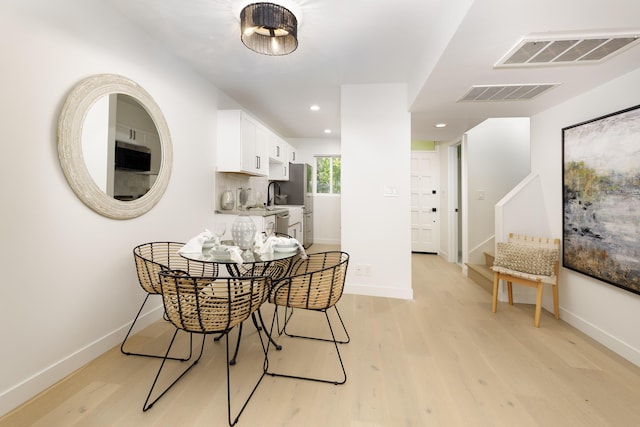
(151, 259)
(209, 305)
(529, 261)
(316, 283)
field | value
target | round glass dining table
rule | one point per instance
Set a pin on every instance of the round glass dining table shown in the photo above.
(275, 265)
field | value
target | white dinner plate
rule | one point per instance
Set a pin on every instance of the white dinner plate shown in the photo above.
(221, 255)
(285, 248)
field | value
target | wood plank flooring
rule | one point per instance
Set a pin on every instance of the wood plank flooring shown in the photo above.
(442, 359)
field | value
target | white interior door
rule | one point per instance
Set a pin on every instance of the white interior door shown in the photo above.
(425, 206)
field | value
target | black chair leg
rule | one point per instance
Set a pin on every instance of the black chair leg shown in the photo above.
(264, 370)
(284, 322)
(344, 328)
(128, 353)
(275, 344)
(148, 405)
(235, 353)
(259, 327)
(335, 343)
(265, 347)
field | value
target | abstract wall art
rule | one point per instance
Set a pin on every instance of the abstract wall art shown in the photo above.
(601, 198)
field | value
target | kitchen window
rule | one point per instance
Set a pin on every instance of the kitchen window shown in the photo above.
(328, 174)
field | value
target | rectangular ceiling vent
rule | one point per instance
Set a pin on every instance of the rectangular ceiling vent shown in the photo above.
(505, 92)
(566, 50)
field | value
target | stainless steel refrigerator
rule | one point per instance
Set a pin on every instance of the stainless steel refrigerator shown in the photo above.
(299, 190)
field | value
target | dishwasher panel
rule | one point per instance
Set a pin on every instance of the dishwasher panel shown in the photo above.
(282, 222)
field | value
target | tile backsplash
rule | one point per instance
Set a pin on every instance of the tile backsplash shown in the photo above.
(234, 181)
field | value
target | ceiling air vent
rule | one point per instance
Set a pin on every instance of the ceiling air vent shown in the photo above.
(505, 92)
(566, 50)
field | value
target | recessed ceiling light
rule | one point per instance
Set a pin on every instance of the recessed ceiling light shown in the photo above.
(441, 125)
(327, 131)
(314, 108)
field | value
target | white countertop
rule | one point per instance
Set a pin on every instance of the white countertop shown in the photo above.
(287, 206)
(253, 211)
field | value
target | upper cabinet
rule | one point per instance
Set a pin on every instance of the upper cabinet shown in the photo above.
(127, 134)
(278, 149)
(278, 159)
(279, 171)
(243, 144)
(292, 155)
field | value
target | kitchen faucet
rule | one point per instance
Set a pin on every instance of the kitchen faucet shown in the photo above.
(271, 199)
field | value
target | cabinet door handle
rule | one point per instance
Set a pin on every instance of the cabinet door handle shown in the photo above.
(257, 162)
(277, 151)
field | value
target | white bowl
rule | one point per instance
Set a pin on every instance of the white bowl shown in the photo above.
(206, 246)
(221, 254)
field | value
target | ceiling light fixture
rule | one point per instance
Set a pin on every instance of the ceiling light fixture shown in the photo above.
(327, 131)
(314, 108)
(441, 125)
(269, 29)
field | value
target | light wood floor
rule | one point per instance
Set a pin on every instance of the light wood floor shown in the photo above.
(442, 359)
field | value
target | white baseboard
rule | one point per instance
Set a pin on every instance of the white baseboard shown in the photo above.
(37, 383)
(603, 337)
(527, 296)
(378, 291)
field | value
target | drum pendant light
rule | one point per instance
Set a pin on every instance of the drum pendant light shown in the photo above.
(269, 29)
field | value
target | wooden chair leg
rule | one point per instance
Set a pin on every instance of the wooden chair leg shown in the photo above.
(556, 305)
(536, 318)
(496, 281)
(510, 292)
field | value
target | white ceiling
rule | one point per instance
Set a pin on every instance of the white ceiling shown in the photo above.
(440, 48)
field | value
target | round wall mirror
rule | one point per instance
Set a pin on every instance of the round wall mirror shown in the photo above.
(114, 146)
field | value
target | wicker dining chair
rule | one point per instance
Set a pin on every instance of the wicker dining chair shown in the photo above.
(315, 283)
(210, 305)
(151, 259)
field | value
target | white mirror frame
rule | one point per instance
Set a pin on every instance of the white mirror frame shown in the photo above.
(73, 114)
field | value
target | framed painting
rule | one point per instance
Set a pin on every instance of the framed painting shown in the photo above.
(601, 198)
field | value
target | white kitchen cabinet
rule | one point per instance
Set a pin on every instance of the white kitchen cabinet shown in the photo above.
(295, 214)
(261, 222)
(278, 159)
(279, 171)
(296, 228)
(242, 144)
(278, 152)
(129, 134)
(295, 231)
(292, 154)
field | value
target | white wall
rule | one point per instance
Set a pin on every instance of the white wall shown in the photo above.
(497, 158)
(608, 314)
(69, 286)
(376, 154)
(326, 207)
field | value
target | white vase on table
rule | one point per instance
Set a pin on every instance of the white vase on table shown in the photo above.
(243, 231)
